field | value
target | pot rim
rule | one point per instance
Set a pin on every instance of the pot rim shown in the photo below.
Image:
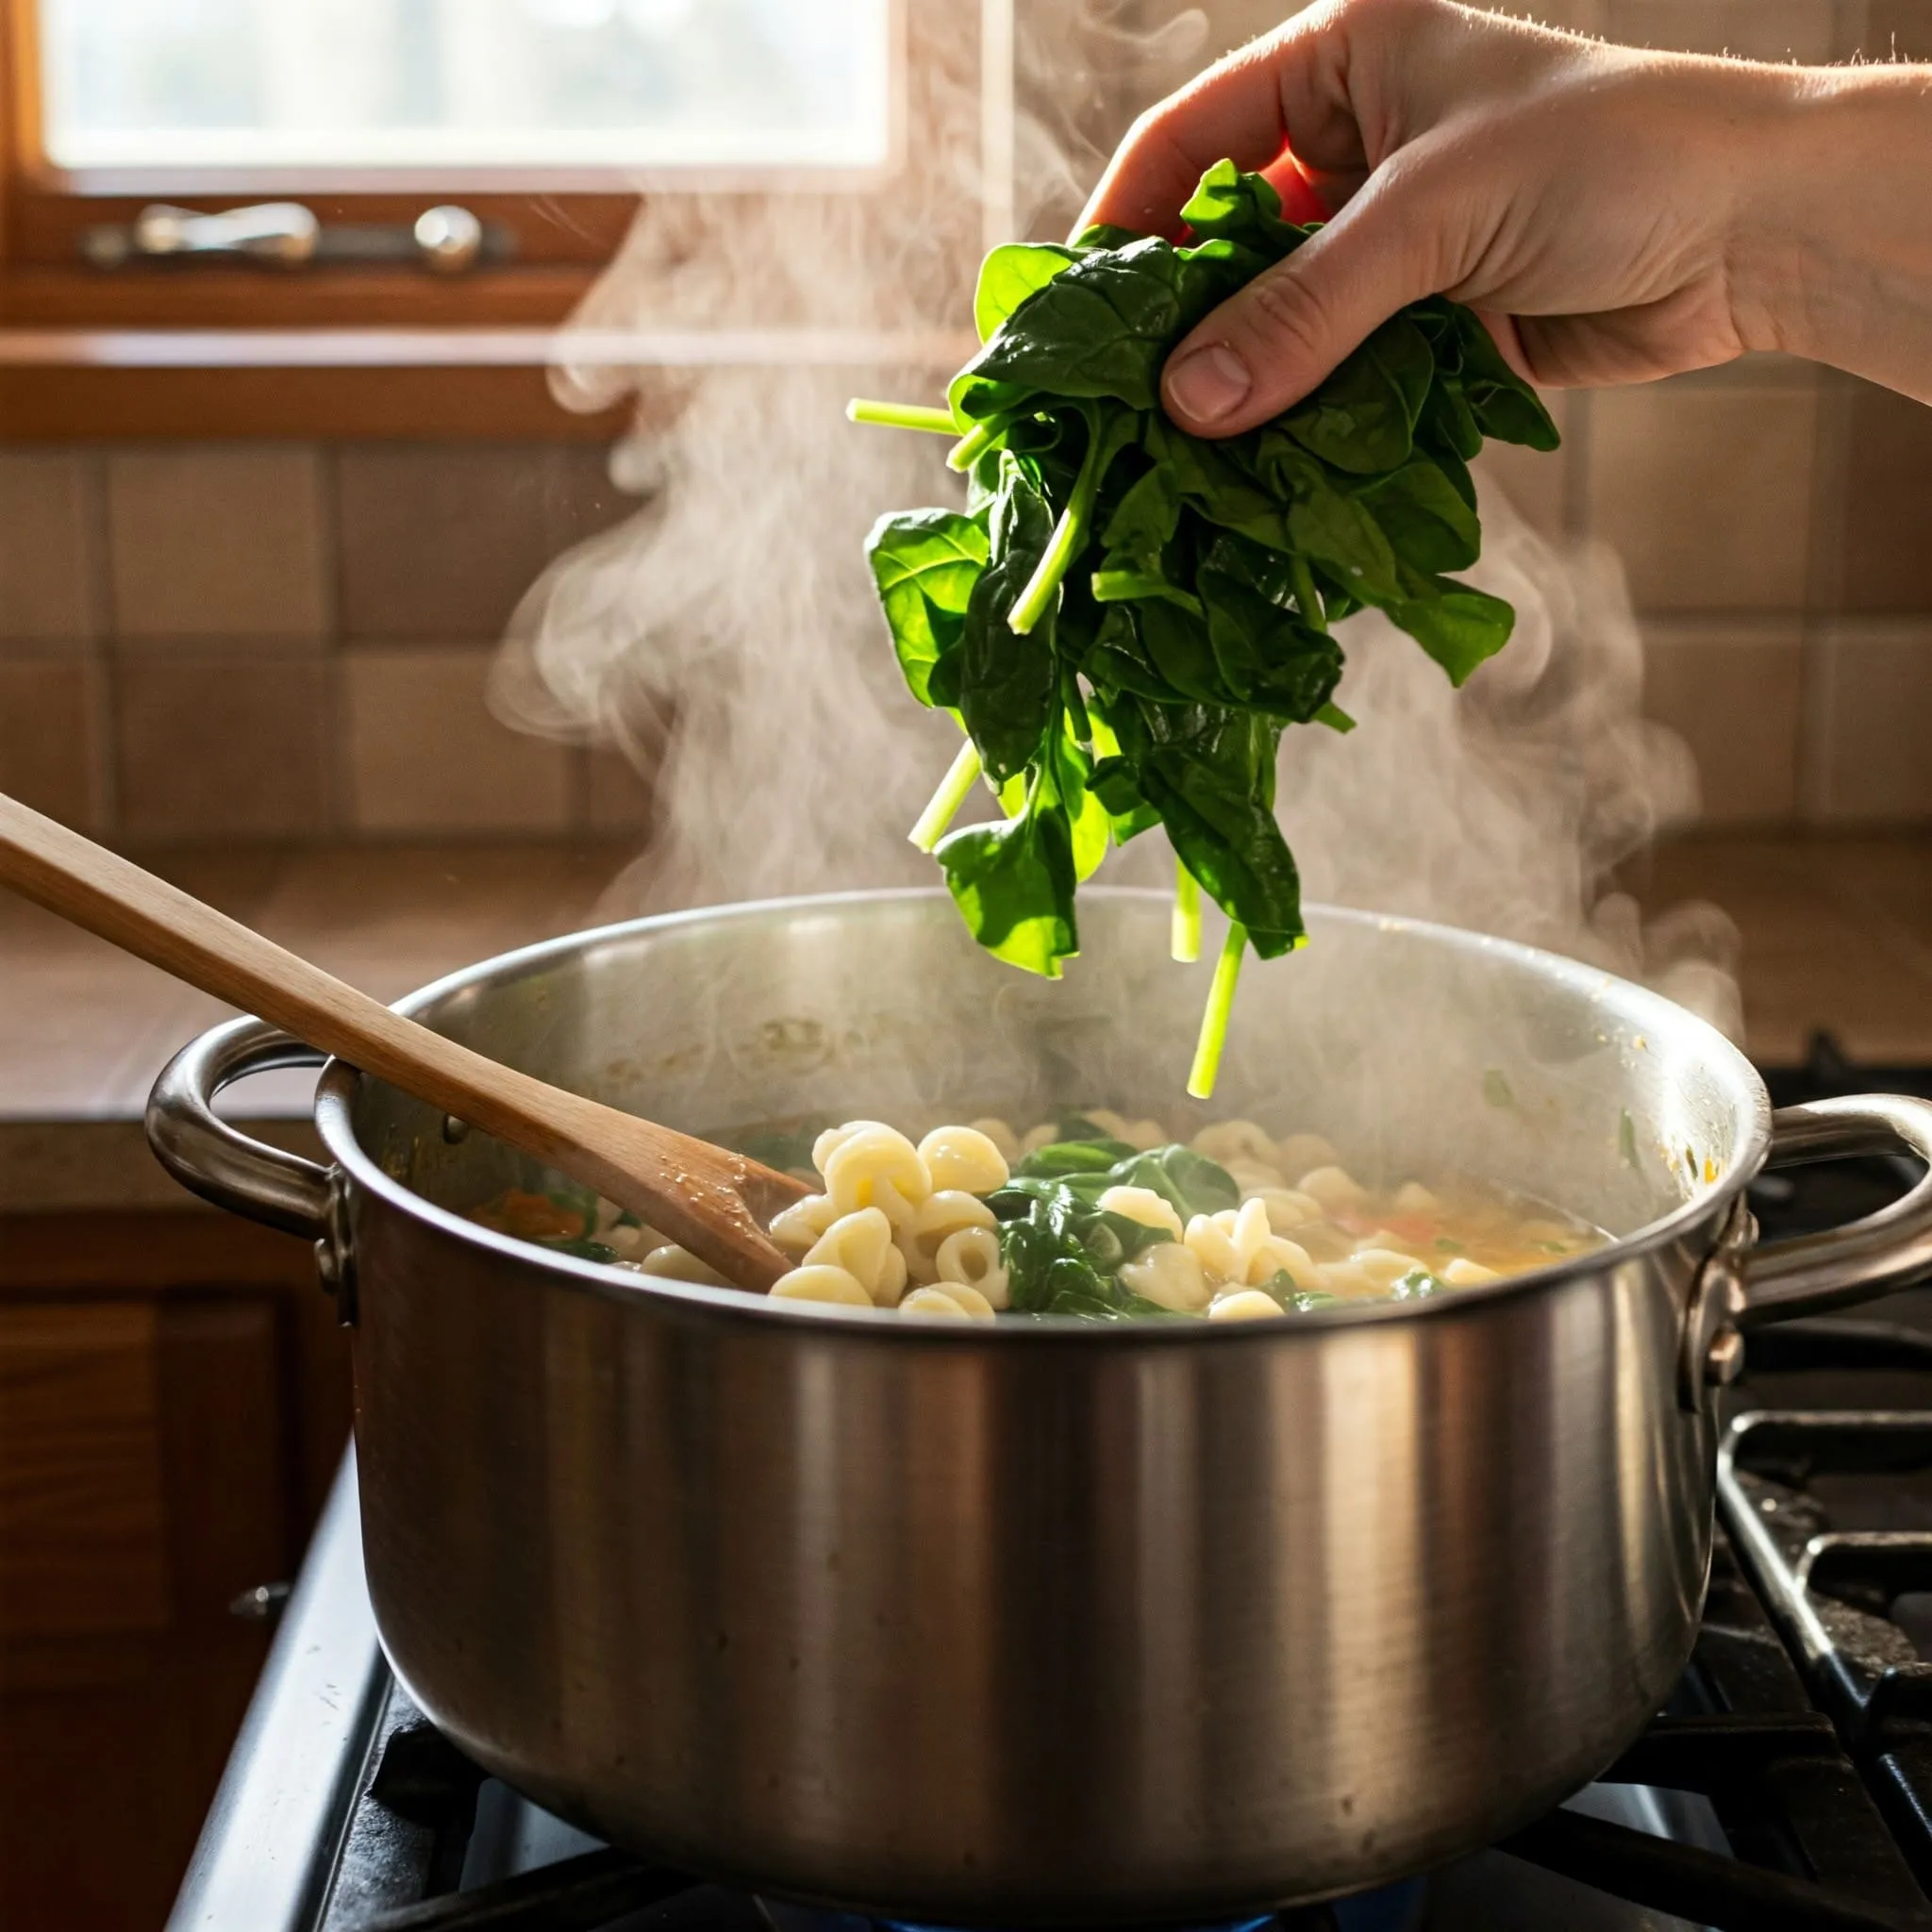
(340, 1082)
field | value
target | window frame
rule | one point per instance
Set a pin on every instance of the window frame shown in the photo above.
(561, 238)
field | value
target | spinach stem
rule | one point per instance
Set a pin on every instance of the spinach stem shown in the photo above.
(1304, 592)
(970, 446)
(902, 416)
(1068, 536)
(1228, 973)
(1186, 914)
(961, 775)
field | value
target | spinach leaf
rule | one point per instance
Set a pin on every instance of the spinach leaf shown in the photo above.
(1009, 275)
(1097, 1154)
(1013, 883)
(1363, 418)
(1230, 205)
(1007, 688)
(1189, 1181)
(1210, 775)
(1144, 520)
(925, 563)
(1101, 329)
(1062, 1254)
(1424, 517)
(1503, 405)
(583, 1248)
(1269, 660)
(1457, 626)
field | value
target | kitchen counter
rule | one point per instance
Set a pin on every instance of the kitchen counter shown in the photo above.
(1835, 933)
(84, 1028)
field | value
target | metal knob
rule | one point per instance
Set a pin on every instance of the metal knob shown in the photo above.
(261, 1604)
(450, 238)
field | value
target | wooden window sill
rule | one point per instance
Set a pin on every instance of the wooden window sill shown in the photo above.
(72, 384)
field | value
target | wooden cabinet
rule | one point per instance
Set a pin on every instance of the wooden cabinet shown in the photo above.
(174, 1397)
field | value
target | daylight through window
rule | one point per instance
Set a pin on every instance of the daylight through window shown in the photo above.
(412, 85)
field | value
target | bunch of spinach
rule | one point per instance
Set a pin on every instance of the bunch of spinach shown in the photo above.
(1125, 618)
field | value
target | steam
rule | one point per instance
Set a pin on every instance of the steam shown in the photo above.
(726, 638)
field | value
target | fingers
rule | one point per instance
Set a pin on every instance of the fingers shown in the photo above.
(1233, 111)
(1271, 344)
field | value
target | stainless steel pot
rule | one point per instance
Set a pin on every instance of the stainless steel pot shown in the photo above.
(1040, 1620)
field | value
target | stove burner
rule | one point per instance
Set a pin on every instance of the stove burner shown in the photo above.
(785, 1918)
(1389, 1908)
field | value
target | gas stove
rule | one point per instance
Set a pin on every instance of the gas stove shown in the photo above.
(1787, 1783)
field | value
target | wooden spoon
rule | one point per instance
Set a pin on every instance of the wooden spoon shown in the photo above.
(701, 1197)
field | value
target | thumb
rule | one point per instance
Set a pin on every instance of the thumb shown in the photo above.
(1271, 344)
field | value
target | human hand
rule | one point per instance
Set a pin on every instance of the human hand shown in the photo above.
(1617, 215)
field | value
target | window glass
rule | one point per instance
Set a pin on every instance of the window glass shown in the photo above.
(413, 84)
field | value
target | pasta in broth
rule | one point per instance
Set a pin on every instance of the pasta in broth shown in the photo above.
(1092, 1215)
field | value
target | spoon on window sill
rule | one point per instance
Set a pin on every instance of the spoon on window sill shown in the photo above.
(705, 1199)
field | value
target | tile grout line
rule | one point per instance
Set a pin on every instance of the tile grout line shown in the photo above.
(104, 619)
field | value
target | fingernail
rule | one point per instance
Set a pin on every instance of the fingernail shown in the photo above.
(1208, 384)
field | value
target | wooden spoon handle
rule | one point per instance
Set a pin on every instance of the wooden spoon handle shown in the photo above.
(684, 1186)
(156, 921)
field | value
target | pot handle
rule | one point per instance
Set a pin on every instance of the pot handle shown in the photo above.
(208, 1155)
(1741, 1286)
(1812, 1272)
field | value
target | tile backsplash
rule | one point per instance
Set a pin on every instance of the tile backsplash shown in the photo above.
(254, 642)
(1770, 519)
(204, 643)
(291, 642)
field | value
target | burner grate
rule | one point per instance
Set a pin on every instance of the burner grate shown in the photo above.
(1846, 1598)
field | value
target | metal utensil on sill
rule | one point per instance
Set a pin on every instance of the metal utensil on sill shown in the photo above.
(447, 239)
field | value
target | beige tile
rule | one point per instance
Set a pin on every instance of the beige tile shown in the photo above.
(1836, 933)
(222, 744)
(52, 753)
(579, 498)
(1875, 1011)
(1884, 559)
(1875, 695)
(1579, 16)
(1705, 492)
(47, 516)
(442, 541)
(1752, 29)
(1886, 30)
(425, 754)
(207, 543)
(1733, 691)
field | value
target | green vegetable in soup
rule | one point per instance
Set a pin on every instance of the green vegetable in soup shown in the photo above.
(1063, 1251)
(1126, 618)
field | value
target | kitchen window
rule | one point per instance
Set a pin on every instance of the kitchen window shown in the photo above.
(564, 94)
(385, 166)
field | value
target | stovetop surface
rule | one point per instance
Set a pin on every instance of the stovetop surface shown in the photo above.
(1786, 1788)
